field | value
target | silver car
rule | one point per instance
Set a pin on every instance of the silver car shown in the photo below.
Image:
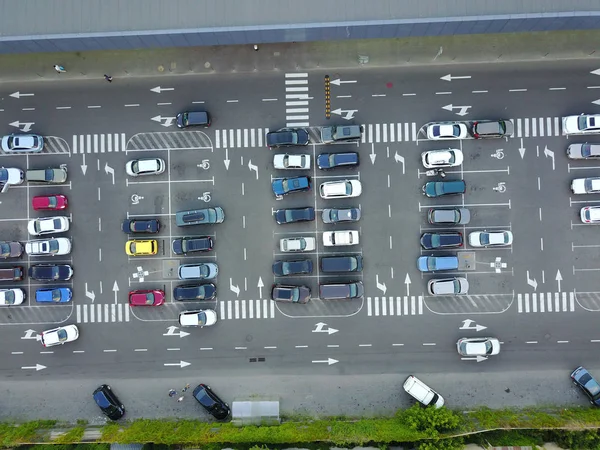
(583, 151)
(448, 286)
(200, 271)
(22, 143)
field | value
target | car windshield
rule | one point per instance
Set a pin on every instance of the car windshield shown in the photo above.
(204, 399)
(348, 188)
(52, 202)
(61, 335)
(353, 290)
(435, 240)
(3, 175)
(295, 295)
(184, 245)
(53, 246)
(201, 318)
(9, 297)
(431, 263)
(56, 295)
(582, 122)
(54, 272)
(5, 248)
(149, 298)
(49, 174)
(484, 238)
(289, 215)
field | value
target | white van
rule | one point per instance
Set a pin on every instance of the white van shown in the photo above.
(422, 393)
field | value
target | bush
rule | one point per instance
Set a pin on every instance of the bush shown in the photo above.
(442, 444)
(430, 420)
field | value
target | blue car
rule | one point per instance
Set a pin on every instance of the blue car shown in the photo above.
(437, 263)
(283, 186)
(588, 384)
(54, 295)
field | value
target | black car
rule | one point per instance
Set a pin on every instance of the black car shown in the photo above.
(51, 272)
(448, 239)
(587, 383)
(140, 226)
(195, 292)
(332, 160)
(486, 129)
(290, 294)
(286, 137)
(185, 245)
(211, 402)
(349, 263)
(294, 215)
(108, 402)
(286, 268)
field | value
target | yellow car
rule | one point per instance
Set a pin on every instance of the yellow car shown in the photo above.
(141, 247)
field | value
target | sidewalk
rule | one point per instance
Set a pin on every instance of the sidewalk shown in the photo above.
(303, 56)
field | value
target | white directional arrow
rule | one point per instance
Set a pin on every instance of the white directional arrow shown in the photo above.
(115, 290)
(320, 328)
(29, 334)
(253, 167)
(467, 325)
(83, 165)
(372, 155)
(338, 82)
(596, 102)
(90, 294)
(347, 114)
(478, 358)
(171, 332)
(26, 125)
(449, 77)
(168, 120)
(522, 149)
(37, 367)
(260, 285)
(110, 170)
(328, 361)
(19, 95)
(234, 289)
(180, 364)
(532, 283)
(558, 278)
(407, 283)
(226, 160)
(463, 109)
(400, 159)
(158, 89)
(380, 286)
(550, 154)
(595, 72)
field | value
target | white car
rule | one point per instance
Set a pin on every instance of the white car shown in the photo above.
(484, 346)
(447, 130)
(199, 318)
(298, 244)
(47, 225)
(11, 297)
(583, 151)
(590, 214)
(22, 143)
(500, 238)
(340, 189)
(449, 157)
(585, 185)
(340, 238)
(48, 247)
(10, 176)
(283, 162)
(581, 124)
(422, 393)
(60, 335)
(147, 166)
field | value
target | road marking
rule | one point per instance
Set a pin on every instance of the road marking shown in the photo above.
(479, 92)
(517, 90)
(557, 89)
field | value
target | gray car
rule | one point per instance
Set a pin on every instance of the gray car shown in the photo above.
(583, 151)
(49, 176)
(22, 143)
(200, 271)
(448, 216)
(10, 249)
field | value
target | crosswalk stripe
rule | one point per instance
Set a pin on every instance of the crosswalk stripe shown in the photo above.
(541, 126)
(556, 127)
(258, 316)
(369, 306)
(296, 75)
(519, 128)
(391, 300)
(571, 301)
(546, 302)
(392, 132)
(102, 313)
(526, 127)
(519, 303)
(222, 307)
(395, 306)
(377, 132)
(236, 303)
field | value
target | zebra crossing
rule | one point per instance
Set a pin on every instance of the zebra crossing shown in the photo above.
(395, 306)
(296, 99)
(546, 302)
(537, 127)
(241, 137)
(99, 143)
(247, 309)
(102, 313)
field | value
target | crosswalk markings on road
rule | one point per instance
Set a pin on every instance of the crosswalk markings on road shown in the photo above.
(389, 132)
(247, 309)
(296, 99)
(537, 127)
(546, 302)
(395, 306)
(97, 313)
(241, 137)
(99, 143)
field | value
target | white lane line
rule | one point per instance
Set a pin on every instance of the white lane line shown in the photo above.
(301, 346)
(408, 95)
(296, 75)
(269, 99)
(232, 101)
(205, 348)
(557, 89)
(397, 345)
(365, 345)
(428, 343)
(517, 90)
(531, 342)
(479, 92)
(140, 350)
(241, 348)
(443, 93)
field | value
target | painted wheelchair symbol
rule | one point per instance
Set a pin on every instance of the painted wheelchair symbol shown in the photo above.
(135, 199)
(498, 154)
(501, 187)
(205, 197)
(204, 165)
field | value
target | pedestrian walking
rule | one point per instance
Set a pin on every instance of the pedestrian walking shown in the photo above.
(59, 69)
(185, 388)
(180, 399)
(172, 392)
(108, 78)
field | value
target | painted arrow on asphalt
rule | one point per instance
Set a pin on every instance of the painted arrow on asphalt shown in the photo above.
(328, 361)
(372, 155)
(596, 102)
(558, 278)
(83, 165)
(19, 95)
(380, 286)
(26, 125)
(168, 120)
(532, 283)
(449, 77)
(37, 367)
(467, 325)
(347, 114)
(463, 109)
(260, 285)
(550, 154)
(115, 290)
(253, 167)
(320, 328)
(522, 149)
(90, 294)
(171, 332)
(29, 334)
(338, 82)
(109, 170)
(595, 72)
(159, 89)
(180, 364)
(226, 160)
(477, 358)
(400, 159)
(407, 283)
(234, 289)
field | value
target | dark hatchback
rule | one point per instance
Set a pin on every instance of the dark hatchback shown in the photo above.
(195, 292)
(434, 189)
(140, 226)
(287, 137)
(51, 272)
(284, 186)
(332, 160)
(587, 384)
(185, 245)
(108, 402)
(294, 215)
(450, 239)
(287, 268)
(290, 294)
(211, 402)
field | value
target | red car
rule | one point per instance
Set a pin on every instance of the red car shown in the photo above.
(52, 202)
(147, 297)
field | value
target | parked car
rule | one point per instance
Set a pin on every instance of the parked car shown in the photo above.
(497, 238)
(448, 216)
(22, 143)
(286, 137)
(48, 225)
(189, 292)
(193, 119)
(291, 162)
(434, 189)
(448, 239)
(290, 294)
(11, 274)
(49, 202)
(284, 186)
(10, 249)
(141, 247)
(51, 272)
(10, 177)
(447, 130)
(581, 124)
(198, 271)
(53, 295)
(12, 297)
(422, 393)
(291, 215)
(448, 286)
(589, 185)
(185, 245)
(478, 346)
(437, 263)
(48, 247)
(341, 291)
(434, 159)
(211, 402)
(146, 297)
(587, 383)
(297, 244)
(339, 264)
(140, 226)
(145, 166)
(199, 318)
(486, 129)
(55, 175)
(108, 402)
(583, 151)
(326, 161)
(590, 214)
(337, 215)
(340, 189)
(59, 335)
(340, 238)
(204, 216)
(341, 133)
(287, 268)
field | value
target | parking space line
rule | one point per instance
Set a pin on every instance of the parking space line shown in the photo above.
(465, 205)
(212, 180)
